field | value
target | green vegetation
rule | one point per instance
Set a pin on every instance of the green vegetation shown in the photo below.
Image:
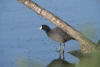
(92, 60)
(22, 62)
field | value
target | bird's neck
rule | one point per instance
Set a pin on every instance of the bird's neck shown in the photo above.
(47, 30)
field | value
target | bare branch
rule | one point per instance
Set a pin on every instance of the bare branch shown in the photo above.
(86, 46)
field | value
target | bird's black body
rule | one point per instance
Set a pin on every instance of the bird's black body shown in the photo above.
(56, 34)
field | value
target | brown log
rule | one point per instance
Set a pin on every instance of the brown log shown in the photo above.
(86, 45)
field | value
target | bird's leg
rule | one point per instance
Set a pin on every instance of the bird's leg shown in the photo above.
(59, 55)
(63, 47)
(63, 55)
(59, 48)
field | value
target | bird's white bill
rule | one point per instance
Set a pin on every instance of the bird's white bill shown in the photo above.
(40, 27)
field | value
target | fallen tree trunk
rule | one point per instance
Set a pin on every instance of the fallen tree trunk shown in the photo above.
(86, 46)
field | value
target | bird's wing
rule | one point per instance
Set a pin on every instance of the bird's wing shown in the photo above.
(62, 33)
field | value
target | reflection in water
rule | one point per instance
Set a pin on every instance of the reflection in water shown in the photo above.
(60, 62)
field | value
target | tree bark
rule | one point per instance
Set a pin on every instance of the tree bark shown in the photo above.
(86, 45)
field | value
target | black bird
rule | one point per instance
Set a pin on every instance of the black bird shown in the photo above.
(57, 35)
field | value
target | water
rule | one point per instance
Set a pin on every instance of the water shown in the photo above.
(22, 44)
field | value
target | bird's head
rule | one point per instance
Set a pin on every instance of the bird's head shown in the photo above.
(45, 28)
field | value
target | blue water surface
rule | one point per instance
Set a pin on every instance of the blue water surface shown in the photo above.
(21, 41)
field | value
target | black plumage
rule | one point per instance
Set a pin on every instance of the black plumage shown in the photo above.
(56, 34)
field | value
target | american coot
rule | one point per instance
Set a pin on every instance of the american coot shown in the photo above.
(57, 34)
